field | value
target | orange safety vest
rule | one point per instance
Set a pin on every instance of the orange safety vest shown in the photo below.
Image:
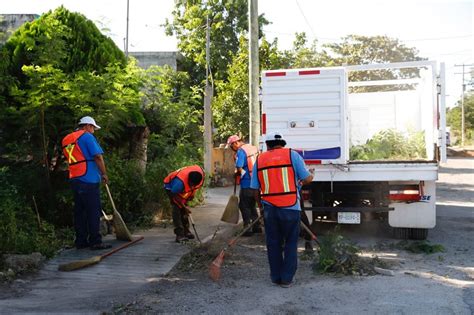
(277, 178)
(77, 163)
(183, 174)
(252, 153)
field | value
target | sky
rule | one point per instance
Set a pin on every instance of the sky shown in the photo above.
(441, 30)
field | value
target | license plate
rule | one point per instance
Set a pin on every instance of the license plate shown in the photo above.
(348, 217)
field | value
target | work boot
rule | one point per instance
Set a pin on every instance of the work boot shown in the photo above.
(181, 239)
(189, 235)
(308, 247)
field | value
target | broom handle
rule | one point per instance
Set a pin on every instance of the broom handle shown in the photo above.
(234, 240)
(313, 236)
(110, 197)
(113, 251)
(235, 185)
(194, 227)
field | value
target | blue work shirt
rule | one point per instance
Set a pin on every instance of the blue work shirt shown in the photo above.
(176, 186)
(241, 162)
(300, 173)
(90, 148)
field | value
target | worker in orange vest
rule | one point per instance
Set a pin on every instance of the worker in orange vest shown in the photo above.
(245, 156)
(86, 170)
(181, 186)
(279, 173)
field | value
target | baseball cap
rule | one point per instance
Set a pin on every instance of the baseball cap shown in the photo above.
(274, 136)
(88, 120)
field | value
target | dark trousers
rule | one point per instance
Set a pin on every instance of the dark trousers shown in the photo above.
(180, 220)
(247, 205)
(282, 227)
(87, 211)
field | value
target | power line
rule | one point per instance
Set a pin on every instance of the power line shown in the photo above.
(304, 16)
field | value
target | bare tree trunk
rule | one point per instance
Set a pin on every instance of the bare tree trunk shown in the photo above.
(139, 145)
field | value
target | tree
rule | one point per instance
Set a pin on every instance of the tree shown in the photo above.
(57, 69)
(231, 105)
(453, 117)
(227, 19)
(355, 49)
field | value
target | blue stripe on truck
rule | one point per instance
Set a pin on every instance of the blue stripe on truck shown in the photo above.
(322, 154)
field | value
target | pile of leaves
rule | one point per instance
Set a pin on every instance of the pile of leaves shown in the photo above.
(339, 256)
(391, 144)
(199, 258)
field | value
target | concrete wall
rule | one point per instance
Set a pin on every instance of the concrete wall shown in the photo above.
(147, 59)
(9, 23)
(223, 166)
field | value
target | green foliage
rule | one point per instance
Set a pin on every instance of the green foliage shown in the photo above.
(227, 20)
(336, 255)
(231, 105)
(453, 118)
(418, 247)
(172, 111)
(356, 49)
(391, 144)
(20, 231)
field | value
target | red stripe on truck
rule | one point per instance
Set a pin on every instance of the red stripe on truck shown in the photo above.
(264, 123)
(275, 74)
(308, 72)
(312, 162)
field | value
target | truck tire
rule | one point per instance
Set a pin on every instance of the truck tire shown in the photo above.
(401, 233)
(418, 234)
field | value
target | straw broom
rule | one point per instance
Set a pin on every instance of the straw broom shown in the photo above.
(215, 267)
(121, 231)
(231, 212)
(79, 264)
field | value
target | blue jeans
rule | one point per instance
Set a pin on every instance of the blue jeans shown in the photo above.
(87, 211)
(282, 227)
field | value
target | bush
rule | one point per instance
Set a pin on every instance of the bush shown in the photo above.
(391, 144)
(21, 231)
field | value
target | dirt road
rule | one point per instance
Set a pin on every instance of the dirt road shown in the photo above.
(441, 283)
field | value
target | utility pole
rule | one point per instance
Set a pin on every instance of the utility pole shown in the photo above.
(462, 102)
(126, 34)
(254, 106)
(208, 93)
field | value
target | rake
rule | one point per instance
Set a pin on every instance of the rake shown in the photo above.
(79, 264)
(215, 267)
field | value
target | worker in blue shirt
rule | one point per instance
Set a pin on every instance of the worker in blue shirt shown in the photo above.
(86, 170)
(245, 156)
(278, 175)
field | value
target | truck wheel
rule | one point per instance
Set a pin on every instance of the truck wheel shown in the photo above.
(401, 233)
(418, 234)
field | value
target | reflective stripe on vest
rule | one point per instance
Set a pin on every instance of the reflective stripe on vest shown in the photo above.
(251, 152)
(277, 178)
(183, 174)
(76, 160)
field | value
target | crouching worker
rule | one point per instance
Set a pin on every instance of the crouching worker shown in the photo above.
(181, 186)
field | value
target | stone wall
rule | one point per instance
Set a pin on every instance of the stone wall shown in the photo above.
(9, 23)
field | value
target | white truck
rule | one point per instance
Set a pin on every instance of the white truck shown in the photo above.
(323, 115)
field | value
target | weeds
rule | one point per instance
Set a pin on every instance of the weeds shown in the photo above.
(339, 256)
(419, 247)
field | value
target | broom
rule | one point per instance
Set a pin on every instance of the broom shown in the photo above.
(313, 236)
(231, 212)
(78, 264)
(215, 267)
(121, 231)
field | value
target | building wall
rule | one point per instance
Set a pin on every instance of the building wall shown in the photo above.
(159, 58)
(9, 23)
